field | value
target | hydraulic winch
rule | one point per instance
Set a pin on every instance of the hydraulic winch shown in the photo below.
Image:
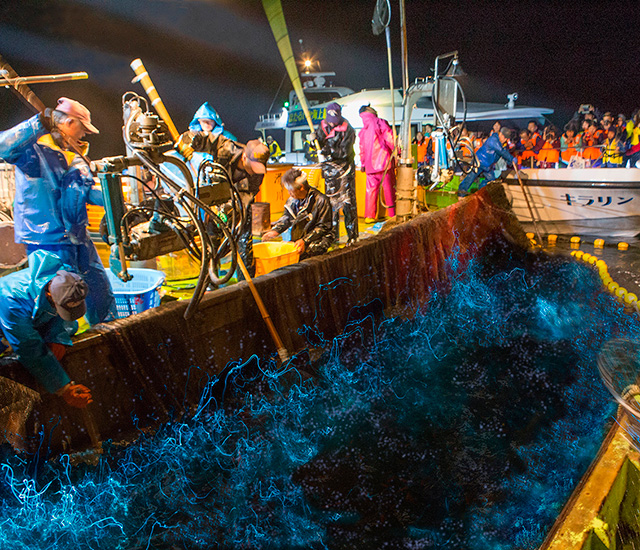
(173, 212)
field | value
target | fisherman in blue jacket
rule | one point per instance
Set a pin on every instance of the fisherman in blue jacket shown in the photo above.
(206, 119)
(39, 306)
(53, 186)
(487, 156)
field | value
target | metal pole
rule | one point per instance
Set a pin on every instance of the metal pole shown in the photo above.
(533, 219)
(393, 91)
(403, 43)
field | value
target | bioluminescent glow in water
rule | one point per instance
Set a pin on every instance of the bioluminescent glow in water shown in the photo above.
(466, 426)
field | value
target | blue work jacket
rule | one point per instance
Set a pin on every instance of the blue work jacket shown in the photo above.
(490, 151)
(29, 321)
(52, 186)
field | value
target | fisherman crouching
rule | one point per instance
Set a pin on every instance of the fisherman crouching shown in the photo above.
(308, 213)
(39, 307)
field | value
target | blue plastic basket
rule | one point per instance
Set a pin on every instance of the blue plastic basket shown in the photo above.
(139, 294)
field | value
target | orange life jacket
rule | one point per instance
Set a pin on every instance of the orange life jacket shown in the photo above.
(571, 150)
(548, 153)
(591, 152)
(422, 150)
(527, 156)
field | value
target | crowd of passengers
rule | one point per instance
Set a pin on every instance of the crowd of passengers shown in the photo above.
(587, 140)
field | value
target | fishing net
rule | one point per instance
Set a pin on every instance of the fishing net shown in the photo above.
(619, 366)
(381, 17)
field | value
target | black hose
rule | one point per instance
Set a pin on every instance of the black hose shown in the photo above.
(183, 196)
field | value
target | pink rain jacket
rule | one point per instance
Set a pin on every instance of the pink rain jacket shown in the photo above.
(376, 143)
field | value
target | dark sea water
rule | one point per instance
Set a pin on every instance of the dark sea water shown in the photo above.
(466, 426)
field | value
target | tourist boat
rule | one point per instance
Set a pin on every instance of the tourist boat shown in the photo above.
(599, 202)
(291, 124)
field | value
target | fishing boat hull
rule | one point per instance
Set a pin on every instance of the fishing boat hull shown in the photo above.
(154, 366)
(603, 202)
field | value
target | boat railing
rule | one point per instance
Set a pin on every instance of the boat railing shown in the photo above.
(270, 117)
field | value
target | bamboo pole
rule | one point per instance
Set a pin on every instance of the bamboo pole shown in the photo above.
(282, 351)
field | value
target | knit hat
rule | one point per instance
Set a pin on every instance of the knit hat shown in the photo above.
(334, 113)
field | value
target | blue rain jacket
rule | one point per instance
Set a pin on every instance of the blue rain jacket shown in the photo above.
(204, 111)
(490, 151)
(52, 186)
(29, 321)
(207, 111)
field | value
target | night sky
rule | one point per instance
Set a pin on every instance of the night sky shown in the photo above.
(553, 54)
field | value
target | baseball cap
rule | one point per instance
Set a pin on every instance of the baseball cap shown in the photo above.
(68, 292)
(257, 154)
(334, 113)
(77, 110)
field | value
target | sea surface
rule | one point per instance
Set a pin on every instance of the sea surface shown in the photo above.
(466, 426)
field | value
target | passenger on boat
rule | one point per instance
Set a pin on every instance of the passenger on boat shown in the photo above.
(275, 153)
(632, 155)
(614, 148)
(376, 157)
(421, 144)
(592, 142)
(605, 124)
(492, 150)
(496, 127)
(38, 311)
(336, 138)
(607, 118)
(308, 213)
(549, 155)
(247, 166)
(536, 138)
(526, 151)
(53, 186)
(569, 144)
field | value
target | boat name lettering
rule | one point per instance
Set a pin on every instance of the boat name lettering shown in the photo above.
(582, 200)
(297, 118)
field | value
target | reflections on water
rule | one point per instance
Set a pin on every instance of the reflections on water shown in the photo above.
(464, 427)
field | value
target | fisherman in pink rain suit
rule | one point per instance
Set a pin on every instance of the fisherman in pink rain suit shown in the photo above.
(376, 147)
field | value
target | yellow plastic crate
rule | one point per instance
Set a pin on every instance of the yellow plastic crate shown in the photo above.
(270, 256)
(178, 266)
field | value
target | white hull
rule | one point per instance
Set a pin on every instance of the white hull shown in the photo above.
(599, 202)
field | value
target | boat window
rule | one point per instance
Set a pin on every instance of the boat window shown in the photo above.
(297, 139)
(320, 97)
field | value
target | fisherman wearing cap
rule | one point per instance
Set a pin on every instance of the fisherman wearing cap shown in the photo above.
(308, 213)
(39, 307)
(336, 138)
(53, 186)
(247, 165)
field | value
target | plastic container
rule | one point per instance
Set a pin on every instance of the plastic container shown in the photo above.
(139, 294)
(178, 266)
(270, 256)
